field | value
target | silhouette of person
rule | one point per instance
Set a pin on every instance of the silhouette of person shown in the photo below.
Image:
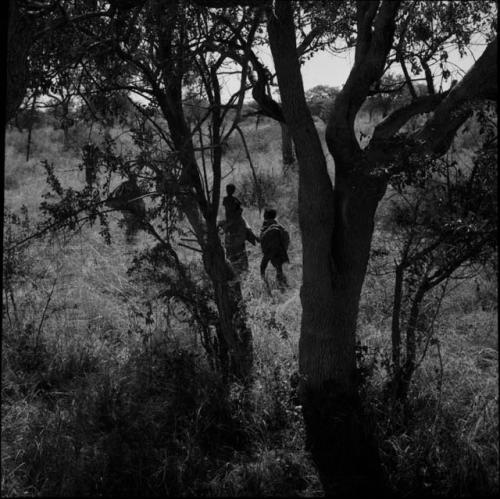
(274, 241)
(232, 204)
(236, 231)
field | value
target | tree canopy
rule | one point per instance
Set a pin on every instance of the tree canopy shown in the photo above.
(172, 56)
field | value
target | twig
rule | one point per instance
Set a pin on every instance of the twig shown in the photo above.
(254, 174)
(44, 313)
(58, 224)
(440, 385)
(69, 221)
(190, 247)
(7, 307)
(433, 321)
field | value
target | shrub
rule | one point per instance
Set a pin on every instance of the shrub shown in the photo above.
(266, 186)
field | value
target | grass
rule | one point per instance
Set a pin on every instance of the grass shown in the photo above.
(97, 400)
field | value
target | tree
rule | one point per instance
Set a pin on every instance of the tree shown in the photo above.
(148, 39)
(37, 46)
(19, 40)
(444, 226)
(313, 35)
(390, 93)
(287, 153)
(337, 221)
(154, 49)
(320, 100)
(61, 98)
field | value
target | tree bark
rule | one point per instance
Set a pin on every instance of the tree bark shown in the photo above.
(339, 431)
(336, 229)
(30, 129)
(235, 337)
(402, 375)
(286, 146)
(396, 322)
(19, 40)
(234, 331)
(65, 123)
(195, 204)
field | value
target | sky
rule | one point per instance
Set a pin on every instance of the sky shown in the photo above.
(325, 68)
(332, 70)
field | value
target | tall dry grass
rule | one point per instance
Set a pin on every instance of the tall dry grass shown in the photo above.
(106, 390)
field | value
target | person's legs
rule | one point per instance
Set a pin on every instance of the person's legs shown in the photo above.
(280, 276)
(238, 258)
(263, 265)
(235, 245)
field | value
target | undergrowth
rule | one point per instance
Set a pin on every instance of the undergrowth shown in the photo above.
(159, 423)
(107, 391)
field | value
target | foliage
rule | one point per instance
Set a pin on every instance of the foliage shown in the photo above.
(111, 410)
(443, 227)
(127, 407)
(110, 402)
(267, 188)
(390, 93)
(320, 100)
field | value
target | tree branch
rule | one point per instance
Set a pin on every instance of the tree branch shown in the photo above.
(399, 51)
(428, 76)
(390, 125)
(252, 168)
(340, 135)
(408, 79)
(65, 21)
(269, 107)
(480, 82)
(365, 14)
(309, 38)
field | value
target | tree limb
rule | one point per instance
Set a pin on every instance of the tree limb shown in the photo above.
(252, 168)
(480, 82)
(390, 125)
(367, 69)
(309, 38)
(428, 76)
(269, 107)
(399, 51)
(365, 14)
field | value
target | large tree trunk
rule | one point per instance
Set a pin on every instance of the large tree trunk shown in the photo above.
(336, 242)
(336, 247)
(19, 40)
(339, 435)
(286, 146)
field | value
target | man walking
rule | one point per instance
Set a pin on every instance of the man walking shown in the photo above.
(274, 241)
(236, 231)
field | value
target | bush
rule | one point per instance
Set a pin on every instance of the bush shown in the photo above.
(428, 448)
(161, 422)
(267, 187)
